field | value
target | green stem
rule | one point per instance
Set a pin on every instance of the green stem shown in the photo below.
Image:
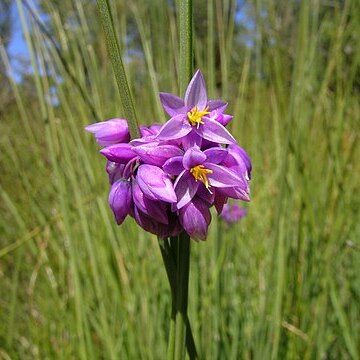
(182, 248)
(170, 261)
(118, 67)
(186, 42)
(183, 266)
(172, 334)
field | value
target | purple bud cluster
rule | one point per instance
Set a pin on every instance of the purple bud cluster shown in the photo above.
(170, 177)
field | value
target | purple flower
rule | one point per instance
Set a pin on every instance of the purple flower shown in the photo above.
(119, 153)
(110, 132)
(195, 218)
(195, 115)
(151, 208)
(172, 228)
(120, 199)
(197, 169)
(170, 177)
(156, 153)
(155, 184)
(115, 171)
(232, 213)
(238, 157)
(238, 162)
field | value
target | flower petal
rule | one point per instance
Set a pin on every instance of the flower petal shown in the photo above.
(223, 119)
(195, 218)
(151, 130)
(196, 94)
(221, 176)
(115, 171)
(120, 199)
(172, 104)
(110, 132)
(204, 194)
(177, 127)
(234, 193)
(218, 105)
(155, 153)
(174, 166)
(214, 131)
(157, 228)
(219, 200)
(155, 184)
(216, 154)
(153, 209)
(193, 157)
(119, 153)
(239, 157)
(190, 140)
(185, 188)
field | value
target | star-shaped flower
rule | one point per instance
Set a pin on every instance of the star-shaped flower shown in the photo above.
(195, 115)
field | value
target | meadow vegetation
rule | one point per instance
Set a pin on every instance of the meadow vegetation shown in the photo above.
(283, 283)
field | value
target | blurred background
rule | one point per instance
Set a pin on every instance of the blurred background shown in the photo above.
(282, 283)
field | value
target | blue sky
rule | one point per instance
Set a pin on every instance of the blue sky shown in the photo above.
(17, 47)
(18, 50)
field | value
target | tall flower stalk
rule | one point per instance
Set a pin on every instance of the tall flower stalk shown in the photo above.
(168, 177)
(118, 67)
(183, 240)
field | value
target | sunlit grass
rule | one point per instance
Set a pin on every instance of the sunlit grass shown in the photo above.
(281, 284)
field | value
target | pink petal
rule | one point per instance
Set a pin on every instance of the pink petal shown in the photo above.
(213, 131)
(172, 104)
(110, 132)
(216, 155)
(174, 166)
(222, 177)
(177, 127)
(119, 153)
(223, 119)
(153, 209)
(193, 157)
(156, 153)
(120, 199)
(196, 94)
(217, 105)
(190, 140)
(234, 193)
(195, 218)
(185, 188)
(155, 184)
(219, 201)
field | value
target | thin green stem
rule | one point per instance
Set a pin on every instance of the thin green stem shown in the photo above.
(118, 67)
(64, 63)
(170, 261)
(172, 334)
(183, 266)
(186, 43)
(182, 247)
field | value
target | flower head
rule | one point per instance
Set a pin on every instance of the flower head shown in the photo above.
(110, 132)
(232, 213)
(196, 170)
(169, 178)
(195, 115)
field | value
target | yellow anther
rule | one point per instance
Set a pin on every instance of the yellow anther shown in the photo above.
(200, 173)
(195, 116)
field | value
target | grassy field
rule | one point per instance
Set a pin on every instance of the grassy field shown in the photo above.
(281, 284)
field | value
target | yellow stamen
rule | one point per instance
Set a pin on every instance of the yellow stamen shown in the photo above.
(200, 173)
(195, 116)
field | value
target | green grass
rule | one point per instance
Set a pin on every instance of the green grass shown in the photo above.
(281, 284)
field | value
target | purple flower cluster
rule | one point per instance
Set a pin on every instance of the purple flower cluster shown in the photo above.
(170, 177)
(232, 213)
